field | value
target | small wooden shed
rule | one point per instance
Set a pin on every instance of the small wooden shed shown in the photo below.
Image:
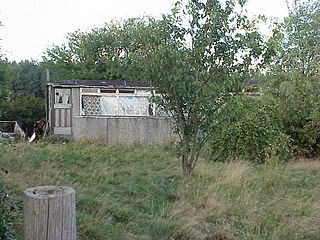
(113, 111)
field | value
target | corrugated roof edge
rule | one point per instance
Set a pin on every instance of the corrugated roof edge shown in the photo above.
(100, 83)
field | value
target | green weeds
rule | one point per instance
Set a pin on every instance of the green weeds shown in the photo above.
(136, 192)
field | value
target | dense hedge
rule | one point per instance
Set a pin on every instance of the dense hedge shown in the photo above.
(298, 101)
(249, 128)
(284, 120)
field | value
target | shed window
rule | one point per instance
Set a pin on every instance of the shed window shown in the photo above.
(91, 105)
(109, 106)
(116, 103)
(90, 90)
(126, 90)
(133, 106)
(62, 96)
(108, 90)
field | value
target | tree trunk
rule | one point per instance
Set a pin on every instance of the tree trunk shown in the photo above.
(186, 166)
(49, 213)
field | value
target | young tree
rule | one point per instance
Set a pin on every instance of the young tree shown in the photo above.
(196, 57)
(212, 49)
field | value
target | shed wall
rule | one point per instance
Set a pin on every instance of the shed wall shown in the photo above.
(123, 130)
(118, 129)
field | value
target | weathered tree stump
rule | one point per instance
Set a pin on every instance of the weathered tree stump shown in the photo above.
(49, 213)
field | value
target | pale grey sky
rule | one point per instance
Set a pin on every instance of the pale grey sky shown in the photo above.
(30, 26)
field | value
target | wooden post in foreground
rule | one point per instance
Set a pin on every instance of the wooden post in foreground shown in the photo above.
(49, 213)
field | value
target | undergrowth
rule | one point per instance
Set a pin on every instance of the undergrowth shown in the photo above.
(136, 192)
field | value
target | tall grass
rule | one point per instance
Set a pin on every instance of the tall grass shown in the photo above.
(135, 192)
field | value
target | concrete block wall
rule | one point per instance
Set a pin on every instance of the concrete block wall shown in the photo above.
(124, 130)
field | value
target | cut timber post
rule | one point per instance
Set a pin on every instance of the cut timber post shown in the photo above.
(49, 213)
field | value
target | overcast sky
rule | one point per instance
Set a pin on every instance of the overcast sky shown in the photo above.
(31, 26)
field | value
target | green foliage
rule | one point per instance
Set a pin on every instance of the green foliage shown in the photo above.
(102, 53)
(26, 109)
(4, 78)
(297, 39)
(26, 78)
(21, 79)
(21, 92)
(205, 60)
(303, 31)
(136, 192)
(9, 211)
(298, 98)
(249, 128)
(293, 81)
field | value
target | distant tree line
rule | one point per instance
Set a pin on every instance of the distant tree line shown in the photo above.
(22, 92)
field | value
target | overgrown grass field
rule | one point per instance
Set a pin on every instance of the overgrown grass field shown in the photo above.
(136, 192)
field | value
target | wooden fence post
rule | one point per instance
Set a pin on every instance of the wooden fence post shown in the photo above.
(49, 213)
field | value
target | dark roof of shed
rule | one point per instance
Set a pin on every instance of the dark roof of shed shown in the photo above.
(101, 83)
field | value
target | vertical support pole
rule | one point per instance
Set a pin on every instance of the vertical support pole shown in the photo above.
(49, 213)
(47, 75)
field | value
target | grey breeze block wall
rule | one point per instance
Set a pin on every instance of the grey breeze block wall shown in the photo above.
(119, 129)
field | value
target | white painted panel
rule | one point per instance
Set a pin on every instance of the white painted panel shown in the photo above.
(63, 117)
(57, 117)
(90, 90)
(62, 130)
(58, 105)
(68, 117)
(143, 92)
(134, 106)
(109, 105)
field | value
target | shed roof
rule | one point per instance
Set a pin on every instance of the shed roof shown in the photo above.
(100, 83)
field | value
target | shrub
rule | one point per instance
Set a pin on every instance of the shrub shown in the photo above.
(249, 128)
(9, 211)
(298, 99)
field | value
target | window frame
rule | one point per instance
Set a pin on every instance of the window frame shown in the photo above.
(136, 93)
(55, 96)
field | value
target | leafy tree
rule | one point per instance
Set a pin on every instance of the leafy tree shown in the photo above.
(102, 53)
(210, 52)
(298, 39)
(4, 79)
(27, 78)
(20, 84)
(294, 77)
